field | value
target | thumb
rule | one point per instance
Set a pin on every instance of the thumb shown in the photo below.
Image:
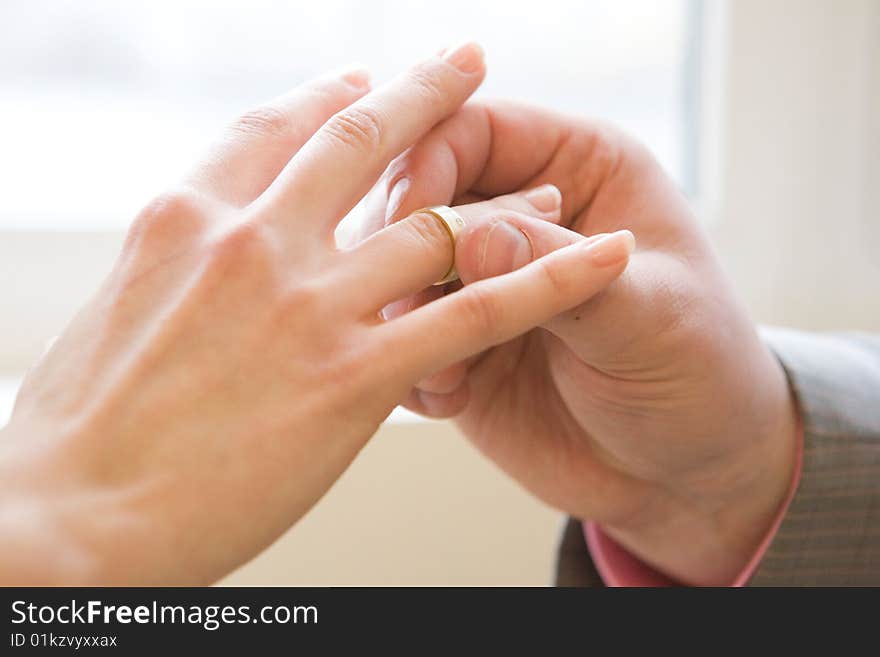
(507, 243)
(513, 241)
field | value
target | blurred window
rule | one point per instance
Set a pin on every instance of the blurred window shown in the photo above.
(103, 103)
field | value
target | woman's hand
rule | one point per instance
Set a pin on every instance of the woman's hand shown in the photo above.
(653, 408)
(235, 361)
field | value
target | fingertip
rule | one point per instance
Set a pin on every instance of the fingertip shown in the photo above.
(546, 199)
(469, 57)
(611, 249)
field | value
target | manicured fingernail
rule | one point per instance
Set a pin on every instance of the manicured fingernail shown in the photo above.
(466, 57)
(395, 198)
(505, 248)
(359, 78)
(545, 198)
(612, 248)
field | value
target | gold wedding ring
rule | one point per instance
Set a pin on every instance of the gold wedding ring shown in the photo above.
(454, 224)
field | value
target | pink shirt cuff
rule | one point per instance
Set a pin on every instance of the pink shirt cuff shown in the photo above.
(617, 567)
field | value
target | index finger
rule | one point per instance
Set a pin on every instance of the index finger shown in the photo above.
(344, 158)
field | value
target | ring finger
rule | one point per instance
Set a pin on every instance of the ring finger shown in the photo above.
(410, 255)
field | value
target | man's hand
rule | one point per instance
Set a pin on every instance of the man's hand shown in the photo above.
(653, 408)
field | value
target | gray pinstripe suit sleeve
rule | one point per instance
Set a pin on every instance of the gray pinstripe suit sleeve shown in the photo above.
(831, 532)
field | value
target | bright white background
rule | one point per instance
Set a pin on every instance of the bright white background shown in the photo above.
(105, 102)
(768, 113)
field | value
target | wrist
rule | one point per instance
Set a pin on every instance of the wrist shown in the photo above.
(708, 531)
(746, 521)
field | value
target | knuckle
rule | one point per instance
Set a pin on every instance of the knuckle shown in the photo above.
(558, 285)
(245, 246)
(265, 121)
(169, 218)
(359, 127)
(236, 260)
(481, 310)
(240, 262)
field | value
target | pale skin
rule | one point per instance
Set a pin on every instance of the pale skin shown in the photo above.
(653, 408)
(235, 360)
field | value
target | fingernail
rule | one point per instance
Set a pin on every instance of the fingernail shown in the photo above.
(545, 198)
(466, 57)
(395, 198)
(612, 248)
(359, 78)
(505, 249)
